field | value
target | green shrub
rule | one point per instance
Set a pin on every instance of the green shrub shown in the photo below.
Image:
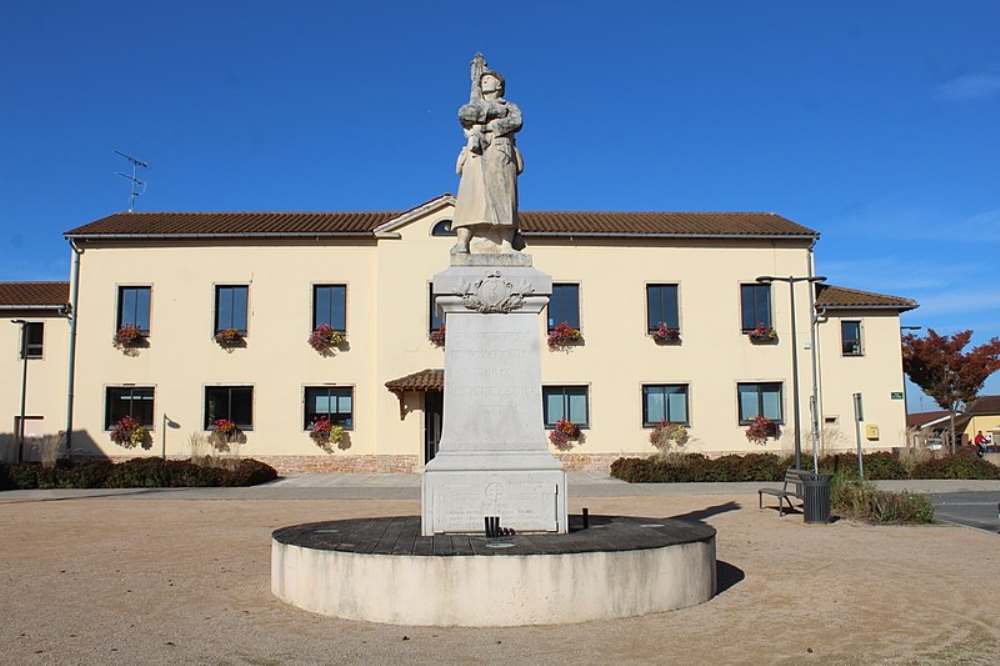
(135, 473)
(961, 465)
(879, 466)
(862, 501)
(678, 468)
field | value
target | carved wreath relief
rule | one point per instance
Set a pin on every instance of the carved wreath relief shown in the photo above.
(493, 293)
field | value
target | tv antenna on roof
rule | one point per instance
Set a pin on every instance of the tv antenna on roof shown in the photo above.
(138, 186)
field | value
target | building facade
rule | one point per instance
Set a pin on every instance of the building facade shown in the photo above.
(269, 279)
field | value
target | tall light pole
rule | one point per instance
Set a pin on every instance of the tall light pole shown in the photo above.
(906, 407)
(791, 280)
(24, 386)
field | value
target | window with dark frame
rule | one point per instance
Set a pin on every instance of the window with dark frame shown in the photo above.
(564, 306)
(565, 402)
(664, 402)
(661, 306)
(759, 399)
(231, 308)
(755, 305)
(34, 340)
(334, 402)
(443, 228)
(330, 306)
(133, 307)
(233, 403)
(850, 338)
(433, 320)
(134, 401)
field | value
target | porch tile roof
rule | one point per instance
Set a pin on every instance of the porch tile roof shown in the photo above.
(830, 296)
(33, 294)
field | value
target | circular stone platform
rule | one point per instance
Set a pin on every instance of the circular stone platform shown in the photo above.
(382, 570)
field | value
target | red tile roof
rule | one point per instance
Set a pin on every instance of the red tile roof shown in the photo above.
(985, 404)
(829, 296)
(920, 418)
(431, 379)
(14, 295)
(533, 223)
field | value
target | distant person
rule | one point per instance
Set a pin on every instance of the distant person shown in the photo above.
(980, 442)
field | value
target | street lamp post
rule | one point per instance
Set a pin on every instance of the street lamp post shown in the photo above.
(791, 280)
(24, 386)
(906, 407)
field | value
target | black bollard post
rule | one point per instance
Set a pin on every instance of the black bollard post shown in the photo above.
(586, 518)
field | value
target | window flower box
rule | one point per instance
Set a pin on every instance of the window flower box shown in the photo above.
(667, 437)
(564, 433)
(326, 434)
(325, 338)
(762, 333)
(564, 335)
(229, 337)
(761, 428)
(664, 334)
(129, 433)
(128, 336)
(226, 434)
(437, 336)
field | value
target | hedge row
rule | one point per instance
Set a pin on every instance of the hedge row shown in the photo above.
(135, 473)
(677, 468)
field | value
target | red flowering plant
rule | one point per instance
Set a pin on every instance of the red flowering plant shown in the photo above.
(225, 433)
(325, 337)
(563, 334)
(760, 429)
(762, 333)
(128, 335)
(664, 333)
(228, 337)
(326, 433)
(129, 433)
(667, 436)
(564, 433)
(437, 336)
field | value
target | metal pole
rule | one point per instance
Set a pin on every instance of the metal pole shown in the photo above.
(859, 416)
(163, 437)
(24, 386)
(71, 356)
(795, 379)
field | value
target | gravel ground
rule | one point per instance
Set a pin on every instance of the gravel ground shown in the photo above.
(133, 581)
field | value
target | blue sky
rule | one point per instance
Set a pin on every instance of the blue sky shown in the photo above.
(875, 123)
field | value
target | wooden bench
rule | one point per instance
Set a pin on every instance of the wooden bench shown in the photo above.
(791, 488)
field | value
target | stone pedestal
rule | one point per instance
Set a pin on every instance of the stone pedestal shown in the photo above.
(493, 457)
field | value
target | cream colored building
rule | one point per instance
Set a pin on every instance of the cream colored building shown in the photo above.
(180, 277)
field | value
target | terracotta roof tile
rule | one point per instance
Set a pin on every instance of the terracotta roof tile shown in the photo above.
(33, 294)
(920, 418)
(829, 296)
(533, 223)
(985, 404)
(431, 379)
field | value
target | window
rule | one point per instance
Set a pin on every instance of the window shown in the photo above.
(34, 337)
(234, 403)
(434, 320)
(661, 305)
(850, 338)
(330, 306)
(133, 307)
(565, 402)
(443, 228)
(231, 308)
(755, 301)
(760, 400)
(134, 401)
(564, 306)
(334, 402)
(664, 402)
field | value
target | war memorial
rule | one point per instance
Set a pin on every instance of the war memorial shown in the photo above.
(494, 544)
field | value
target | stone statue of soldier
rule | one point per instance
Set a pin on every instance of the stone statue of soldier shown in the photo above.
(485, 219)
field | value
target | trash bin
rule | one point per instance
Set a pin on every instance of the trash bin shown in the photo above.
(816, 489)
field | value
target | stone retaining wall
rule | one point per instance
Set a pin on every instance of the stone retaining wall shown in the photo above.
(339, 463)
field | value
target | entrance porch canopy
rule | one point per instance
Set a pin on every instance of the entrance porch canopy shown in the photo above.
(431, 379)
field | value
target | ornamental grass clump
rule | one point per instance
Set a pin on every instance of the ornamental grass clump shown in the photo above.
(564, 433)
(325, 338)
(563, 335)
(326, 434)
(861, 500)
(129, 433)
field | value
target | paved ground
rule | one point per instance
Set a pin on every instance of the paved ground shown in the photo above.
(186, 579)
(973, 509)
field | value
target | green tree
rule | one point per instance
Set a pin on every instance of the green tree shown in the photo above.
(951, 377)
